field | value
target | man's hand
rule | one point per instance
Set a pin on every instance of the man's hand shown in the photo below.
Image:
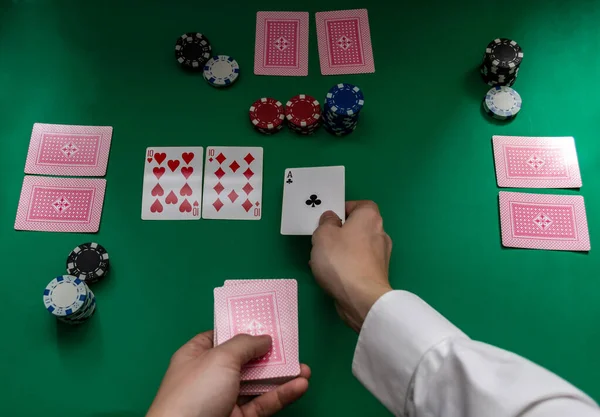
(203, 381)
(351, 262)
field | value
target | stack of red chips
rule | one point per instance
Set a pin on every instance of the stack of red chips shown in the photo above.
(267, 115)
(303, 114)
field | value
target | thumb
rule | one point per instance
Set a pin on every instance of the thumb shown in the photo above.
(243, 347)
(330, 218)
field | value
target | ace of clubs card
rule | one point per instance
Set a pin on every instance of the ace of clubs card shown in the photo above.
(307, 194)
(172, 187)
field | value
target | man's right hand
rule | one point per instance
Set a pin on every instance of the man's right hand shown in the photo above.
(351, 262)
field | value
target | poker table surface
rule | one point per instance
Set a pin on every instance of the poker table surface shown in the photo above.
(422, 151)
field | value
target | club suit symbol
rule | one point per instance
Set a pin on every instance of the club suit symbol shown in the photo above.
(313, 201)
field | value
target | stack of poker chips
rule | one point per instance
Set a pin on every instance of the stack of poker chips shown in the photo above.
(501, 61)
(68, 297)
(221, 71)
(267, 115)
(502, 103)
(192, 51)
(303, 114)
(341, 112)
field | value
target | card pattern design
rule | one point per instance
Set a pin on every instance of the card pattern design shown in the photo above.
(531, 162)
(542, 221)
(256, 315)
(345, 42)
(68, 150)
(262, 307)
(256, 388)
(281, 44)
(60, 204)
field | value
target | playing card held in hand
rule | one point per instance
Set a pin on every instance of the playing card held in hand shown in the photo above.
(261, 307)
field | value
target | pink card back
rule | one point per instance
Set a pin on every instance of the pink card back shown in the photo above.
(60, 204)
(281, 44)
(344, 39)
(259, 308)
(68, 150)
(544, 221)
(536, 162)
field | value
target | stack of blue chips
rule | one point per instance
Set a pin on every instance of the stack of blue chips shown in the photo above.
(341, 112)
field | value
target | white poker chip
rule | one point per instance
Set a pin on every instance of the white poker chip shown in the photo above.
(65, 295)
(221, 71)
(503, 102)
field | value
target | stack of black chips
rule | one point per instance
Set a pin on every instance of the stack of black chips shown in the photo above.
(501, 62)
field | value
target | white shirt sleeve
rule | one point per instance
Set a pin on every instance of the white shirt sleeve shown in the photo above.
(418, 364)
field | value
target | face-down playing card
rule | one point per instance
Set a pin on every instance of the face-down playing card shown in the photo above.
(172, 187)
(307, 194)
(345, 42)
(257, 308)
(68, 150)
(544, 221)
(53, 204)
(536, 162)
(281, 44)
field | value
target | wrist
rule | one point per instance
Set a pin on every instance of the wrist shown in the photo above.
(360, 306)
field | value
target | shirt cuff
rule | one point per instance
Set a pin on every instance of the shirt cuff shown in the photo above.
(398, 330)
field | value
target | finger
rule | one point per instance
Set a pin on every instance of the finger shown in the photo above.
(195, 346)
(243, 347)
(270, 403)
(330, 218)
(327, 220)
(389, 247)
(305, 371)
(352, 206)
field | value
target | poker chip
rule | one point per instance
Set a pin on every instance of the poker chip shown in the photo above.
(303, 114)
(88, 262)
(192, 51)
(345, 99)
(69, 299)
(501, 62)
(267, 115)
(502, 103)
(221, 71)
(503, 53)
(341, 111)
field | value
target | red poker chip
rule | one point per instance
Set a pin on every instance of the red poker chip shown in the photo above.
(303, 111)
(267, 113)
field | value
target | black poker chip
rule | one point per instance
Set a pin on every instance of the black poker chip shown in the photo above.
(89, 262)
(503, 53)
(192, 51)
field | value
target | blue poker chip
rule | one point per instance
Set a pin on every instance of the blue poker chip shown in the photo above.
(503, 102)
(345, 99)
(221, 71)
(65, 295)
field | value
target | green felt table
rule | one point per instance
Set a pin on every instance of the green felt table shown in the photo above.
(422, 152)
